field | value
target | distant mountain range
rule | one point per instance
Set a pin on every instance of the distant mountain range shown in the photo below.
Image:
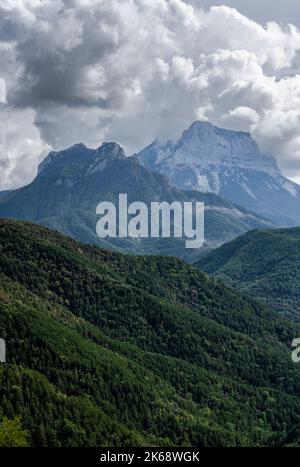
(229, 164)
(265, 264)
(71, 183)
(105, 349)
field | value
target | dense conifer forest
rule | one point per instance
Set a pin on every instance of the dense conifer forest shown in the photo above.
(105, 349)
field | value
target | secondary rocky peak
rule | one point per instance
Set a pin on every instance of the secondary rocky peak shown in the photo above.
(81, 154)
(111, 150)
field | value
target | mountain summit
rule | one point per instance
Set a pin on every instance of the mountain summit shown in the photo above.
(79, 153)
(228, 163)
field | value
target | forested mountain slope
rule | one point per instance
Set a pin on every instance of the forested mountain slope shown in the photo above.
(264, 264)
(106, 349)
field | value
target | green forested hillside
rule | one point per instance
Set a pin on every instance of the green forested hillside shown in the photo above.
(264, 264)
(106, 349)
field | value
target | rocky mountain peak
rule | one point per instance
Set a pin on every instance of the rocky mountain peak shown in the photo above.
(228, 163)
(81, 154)
(111, 150)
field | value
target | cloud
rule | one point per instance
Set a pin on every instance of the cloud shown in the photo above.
(21, 148)
(241, 118)
(2, 91)
(133, 70)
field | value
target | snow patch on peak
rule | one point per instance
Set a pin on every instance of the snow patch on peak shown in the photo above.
(291, 188)
(203, 183)
(248, 190)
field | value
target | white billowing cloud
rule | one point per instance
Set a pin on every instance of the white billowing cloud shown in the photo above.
(2, 91)
(273, 46)
(182, 68)
(133, 70)
(21, 148)
(241, 118)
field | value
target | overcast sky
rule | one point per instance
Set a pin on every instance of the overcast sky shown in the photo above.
(133, 70)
